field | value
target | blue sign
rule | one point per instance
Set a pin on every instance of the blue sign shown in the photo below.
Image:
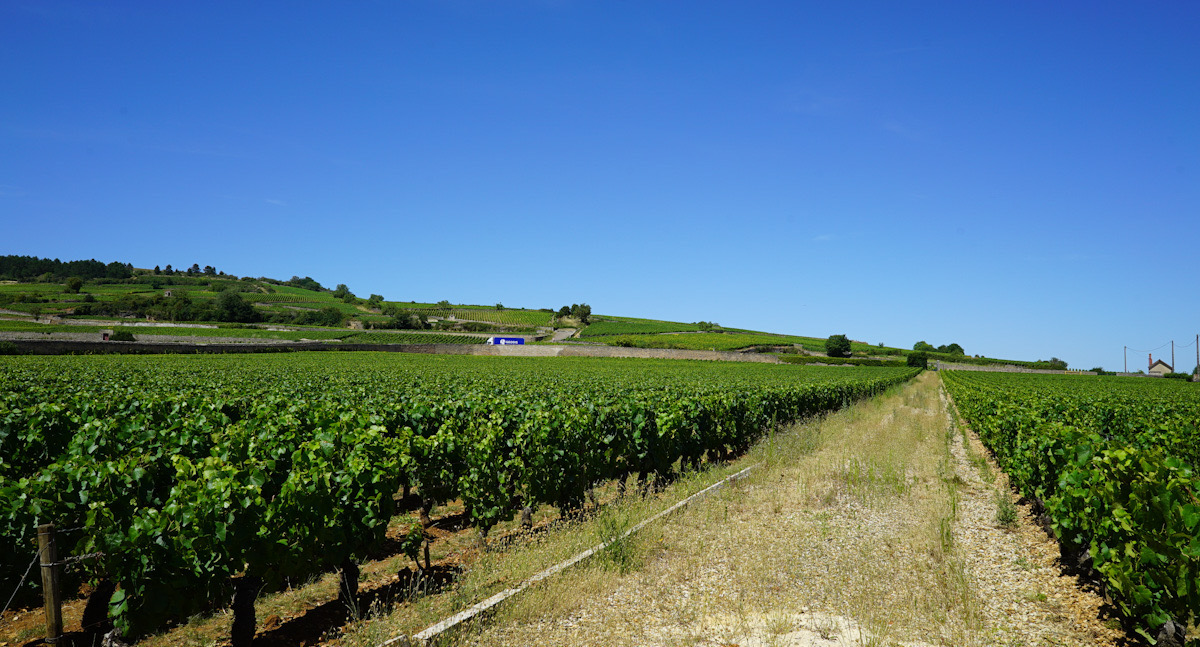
(506, 341)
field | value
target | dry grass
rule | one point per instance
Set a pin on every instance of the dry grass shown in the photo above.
(499, 568)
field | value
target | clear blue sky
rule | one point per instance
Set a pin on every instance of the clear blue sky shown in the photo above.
(1022, 178)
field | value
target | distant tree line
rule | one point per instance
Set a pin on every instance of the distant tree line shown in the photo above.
(306, 283)
(29, 268)
(1054, 364)
(950, 349)
(194, 270)
(229, 307)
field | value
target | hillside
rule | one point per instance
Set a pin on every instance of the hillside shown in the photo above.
(80, 300)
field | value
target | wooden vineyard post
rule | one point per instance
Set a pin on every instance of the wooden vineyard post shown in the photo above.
(48, 556)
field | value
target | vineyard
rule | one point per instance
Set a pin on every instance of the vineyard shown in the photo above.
(519, 318)
(635, 327)
(1113, 462)
(703, 340)
(283, 297)
(198, 477)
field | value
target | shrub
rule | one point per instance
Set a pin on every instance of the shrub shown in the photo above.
(837, 346)
(917, 359)
(121, 335)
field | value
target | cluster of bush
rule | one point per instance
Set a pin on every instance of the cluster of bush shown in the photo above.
(1054, 364)
(228, 306)
(948, 349)
(401, 319)
(580, 311)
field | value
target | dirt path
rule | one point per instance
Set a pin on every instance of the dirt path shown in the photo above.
(874, 526)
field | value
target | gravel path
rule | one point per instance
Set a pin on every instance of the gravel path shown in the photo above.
(562, 333)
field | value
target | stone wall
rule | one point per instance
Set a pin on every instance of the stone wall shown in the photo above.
(1004, 368)
(69, 347)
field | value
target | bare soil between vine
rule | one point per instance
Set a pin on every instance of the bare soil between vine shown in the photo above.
(312, 623)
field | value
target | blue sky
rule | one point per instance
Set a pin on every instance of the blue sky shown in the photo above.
(1022, 178)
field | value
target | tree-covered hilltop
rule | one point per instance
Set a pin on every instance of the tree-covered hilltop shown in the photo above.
(26, 268)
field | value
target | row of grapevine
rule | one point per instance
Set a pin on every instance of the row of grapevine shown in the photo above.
(1114, 462)
(519, 318)
(607, 327)
(285, 298)
(195, 474)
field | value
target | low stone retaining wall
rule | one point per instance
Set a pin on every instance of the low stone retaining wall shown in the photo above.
(71, 347)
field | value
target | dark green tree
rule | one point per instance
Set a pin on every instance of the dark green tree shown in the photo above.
(837, 346)
(924, 347)
(231, 307)
(331, 316)
(115, 270)
(179, 306)
(952, 349)
(307, 283)
(74, 284)
(918, 359)
(581, 311)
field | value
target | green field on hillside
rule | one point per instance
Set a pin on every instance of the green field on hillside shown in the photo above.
(201, 298)
(702, 341)
(629, 327)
